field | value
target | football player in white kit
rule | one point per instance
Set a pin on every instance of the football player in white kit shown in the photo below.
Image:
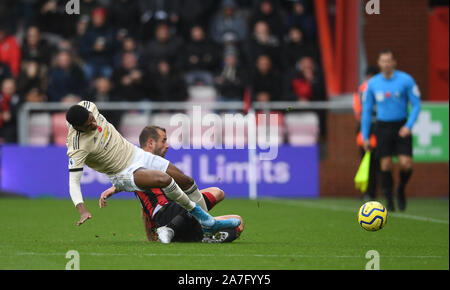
(94, 142)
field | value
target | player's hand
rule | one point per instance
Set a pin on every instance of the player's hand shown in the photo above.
(366, 146)
(404, 132)
(84, 217)
(105, 195)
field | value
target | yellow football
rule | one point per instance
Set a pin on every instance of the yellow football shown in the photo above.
(372, 216)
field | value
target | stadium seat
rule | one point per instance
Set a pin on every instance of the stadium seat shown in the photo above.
(39, 129)
(59, 128)
(302, 128)
(203, 95)
(132, 124)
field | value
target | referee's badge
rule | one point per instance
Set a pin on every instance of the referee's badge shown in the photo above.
(379, 96)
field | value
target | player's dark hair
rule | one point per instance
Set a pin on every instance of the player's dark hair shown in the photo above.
(149, 132)
(387, 51)
(77, 115)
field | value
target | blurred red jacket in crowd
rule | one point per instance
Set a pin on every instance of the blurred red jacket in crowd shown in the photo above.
(10, 53)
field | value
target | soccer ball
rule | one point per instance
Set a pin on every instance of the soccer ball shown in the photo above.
(372, 216)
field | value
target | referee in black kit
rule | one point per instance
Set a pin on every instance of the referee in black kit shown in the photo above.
(392, 91)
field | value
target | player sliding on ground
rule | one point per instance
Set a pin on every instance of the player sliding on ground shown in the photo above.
(166, 220)
(93, 141)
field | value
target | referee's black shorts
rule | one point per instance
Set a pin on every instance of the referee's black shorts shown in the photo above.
(389, 143)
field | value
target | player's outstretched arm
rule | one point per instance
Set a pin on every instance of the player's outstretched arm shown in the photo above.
(105, 195)
(76, 195)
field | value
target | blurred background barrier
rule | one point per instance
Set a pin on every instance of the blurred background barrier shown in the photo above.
(42, 171)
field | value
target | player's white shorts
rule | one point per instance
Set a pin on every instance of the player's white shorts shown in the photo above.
(124, 181)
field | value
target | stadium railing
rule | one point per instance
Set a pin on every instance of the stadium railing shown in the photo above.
(338, 104)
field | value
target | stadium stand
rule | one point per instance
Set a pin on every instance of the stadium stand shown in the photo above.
(77, 51)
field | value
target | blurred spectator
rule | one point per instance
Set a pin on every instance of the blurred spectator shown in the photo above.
(231, 81)
(82, 27)
(265, 79)
(301, 15)
(10, 52)
(295, 48)
(97, 46)
(87, 6)
(125, 15)
(33, 75)
(128, 80)
(228, 20)
(128, 44)
(7, 19)
(162, 47)
(267, 11)
(35, 95)
(306, 83)
(66, 79)
(200, 58)
(263, 97)
(166, 84)
(195, 12)
(5, 72)
(52, 18)
(35, 47)
(9, 102)
(157, 11)
(263, 42)
(102, 92)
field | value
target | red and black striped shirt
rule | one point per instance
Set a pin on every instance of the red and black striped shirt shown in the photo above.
(150, 201)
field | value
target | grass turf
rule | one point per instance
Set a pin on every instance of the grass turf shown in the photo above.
(279, 234)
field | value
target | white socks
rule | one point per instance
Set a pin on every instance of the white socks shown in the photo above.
(196, 196)
(174, 192)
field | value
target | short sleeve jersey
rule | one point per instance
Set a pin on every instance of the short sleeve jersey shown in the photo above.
(103, 149)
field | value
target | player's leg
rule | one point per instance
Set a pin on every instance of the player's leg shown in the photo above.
(187, 184)
(226, 235)
(387, 182)
(212, 196)
(386, 136)
(151, 235)
(147, 179)
(405, 161)
(240, 228)
(175, 224)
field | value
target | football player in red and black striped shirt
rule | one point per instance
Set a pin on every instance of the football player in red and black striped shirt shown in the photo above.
(163, 218)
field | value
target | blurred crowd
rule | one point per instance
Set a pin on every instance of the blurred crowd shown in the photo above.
(138, 50)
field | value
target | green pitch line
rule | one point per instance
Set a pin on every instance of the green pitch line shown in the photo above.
(279, 234)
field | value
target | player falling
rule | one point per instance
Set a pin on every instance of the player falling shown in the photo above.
(165, 220)
(93, 141)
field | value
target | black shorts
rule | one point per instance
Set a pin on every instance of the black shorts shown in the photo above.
(389, 143)
(191, 231)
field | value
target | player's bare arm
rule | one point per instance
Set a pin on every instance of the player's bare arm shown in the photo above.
(105, 195)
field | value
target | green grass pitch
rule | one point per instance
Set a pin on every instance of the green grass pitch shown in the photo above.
(279, 234)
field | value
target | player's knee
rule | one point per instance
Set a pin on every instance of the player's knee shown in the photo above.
(386, 164)
(406, 165)
(218, 193)
(241, 226)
